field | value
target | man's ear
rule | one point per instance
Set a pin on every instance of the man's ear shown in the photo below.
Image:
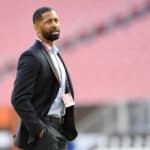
(36, 27)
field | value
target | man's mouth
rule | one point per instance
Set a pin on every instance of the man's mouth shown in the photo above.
(54, 32)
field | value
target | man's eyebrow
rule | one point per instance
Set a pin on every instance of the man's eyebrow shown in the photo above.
(53, 18)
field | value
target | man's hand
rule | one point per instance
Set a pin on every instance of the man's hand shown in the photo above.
(41, 133)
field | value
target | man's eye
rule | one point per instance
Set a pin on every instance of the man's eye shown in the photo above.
(49, 21)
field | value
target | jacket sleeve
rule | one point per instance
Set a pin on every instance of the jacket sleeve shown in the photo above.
(23, 91)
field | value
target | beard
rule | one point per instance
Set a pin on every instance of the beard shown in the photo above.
(50, 36)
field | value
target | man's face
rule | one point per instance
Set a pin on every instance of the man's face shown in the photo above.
(49, 26)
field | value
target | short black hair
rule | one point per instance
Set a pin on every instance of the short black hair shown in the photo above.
(37, 15)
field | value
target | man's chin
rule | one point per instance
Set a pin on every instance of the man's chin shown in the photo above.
(53, 38)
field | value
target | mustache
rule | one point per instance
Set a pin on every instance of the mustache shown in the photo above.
(54, 30)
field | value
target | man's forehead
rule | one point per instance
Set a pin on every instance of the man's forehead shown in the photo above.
(50, 14)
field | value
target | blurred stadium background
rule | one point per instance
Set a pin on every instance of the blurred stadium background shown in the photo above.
(105, 44)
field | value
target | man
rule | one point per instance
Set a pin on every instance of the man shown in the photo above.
(43, 93)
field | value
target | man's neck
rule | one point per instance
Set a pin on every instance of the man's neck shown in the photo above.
(50, 43)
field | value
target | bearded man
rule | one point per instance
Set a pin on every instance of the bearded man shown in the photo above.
(43, 95)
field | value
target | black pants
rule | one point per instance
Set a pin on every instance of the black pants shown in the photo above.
(52, 140)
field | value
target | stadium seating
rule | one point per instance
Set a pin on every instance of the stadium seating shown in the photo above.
(107, 67)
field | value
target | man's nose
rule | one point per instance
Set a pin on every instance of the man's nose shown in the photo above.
(54, 24)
